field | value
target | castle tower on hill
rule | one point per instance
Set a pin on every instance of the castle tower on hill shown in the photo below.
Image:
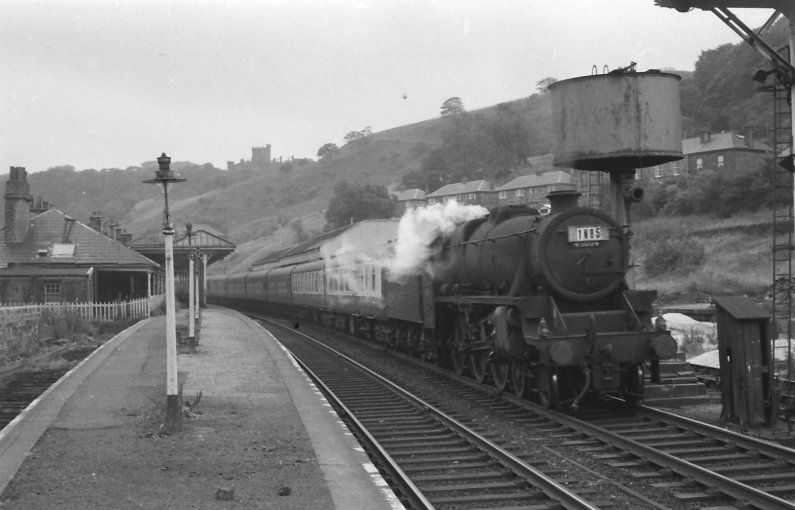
(260, 160)
(261, 156)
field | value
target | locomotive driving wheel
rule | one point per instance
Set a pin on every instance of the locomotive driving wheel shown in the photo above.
(633, 383)
(519, 378)
(457, 353)
(479, 357)
(500, 372)
(478, 364)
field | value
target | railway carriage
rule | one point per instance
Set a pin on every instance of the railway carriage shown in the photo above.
(308, 282)
(236, 289)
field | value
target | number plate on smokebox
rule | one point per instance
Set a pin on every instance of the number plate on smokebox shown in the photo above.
(588, 234)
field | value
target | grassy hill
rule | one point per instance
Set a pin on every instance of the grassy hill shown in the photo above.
(737, 256)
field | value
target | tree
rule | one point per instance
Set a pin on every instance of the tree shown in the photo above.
(327, 150)
(354, 137)
(542, 86)
(356, 202)
(452, 106)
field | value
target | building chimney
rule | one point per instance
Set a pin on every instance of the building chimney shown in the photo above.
(112, 229)
(95, 221)
(126, 239)
(17, 201)
(69, 224)
(749, 137)
(39, 206)
(706, 136)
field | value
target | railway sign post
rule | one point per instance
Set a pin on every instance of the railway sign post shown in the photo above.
(163, 177)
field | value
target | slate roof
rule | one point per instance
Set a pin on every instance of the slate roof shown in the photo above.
(91, 248)
(309, 245)
(409, 194)
(460, 188)
(720, 142)
(45, 271)
(204, 239)
(533, 180)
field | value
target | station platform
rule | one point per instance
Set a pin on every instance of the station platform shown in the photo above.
(258, 433)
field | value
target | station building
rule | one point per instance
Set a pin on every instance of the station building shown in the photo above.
(47, 256)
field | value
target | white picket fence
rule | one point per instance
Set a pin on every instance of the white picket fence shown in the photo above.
(104, 312)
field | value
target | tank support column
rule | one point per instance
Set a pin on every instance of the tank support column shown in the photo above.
(622, 194)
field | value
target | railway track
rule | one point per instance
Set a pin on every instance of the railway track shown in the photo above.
(663, 460)
(22, 389)
(702, 465)
(433, 459)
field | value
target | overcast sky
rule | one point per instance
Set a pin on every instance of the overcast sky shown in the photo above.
(102, 84)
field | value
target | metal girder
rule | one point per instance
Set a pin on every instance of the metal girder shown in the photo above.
(756, 42)
(686, 5)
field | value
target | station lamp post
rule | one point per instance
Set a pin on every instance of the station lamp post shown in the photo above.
(163, 177)
(191, 288)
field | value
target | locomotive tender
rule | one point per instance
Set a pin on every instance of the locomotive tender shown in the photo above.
(536, 303)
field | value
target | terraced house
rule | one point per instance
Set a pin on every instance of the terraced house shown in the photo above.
(727, 152)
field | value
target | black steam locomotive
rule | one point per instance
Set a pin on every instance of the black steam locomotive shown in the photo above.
(534, 303)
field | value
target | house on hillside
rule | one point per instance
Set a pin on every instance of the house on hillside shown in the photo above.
(472, 192)
(727, 152)
(47, 256)
(409, 199)
(533, 189)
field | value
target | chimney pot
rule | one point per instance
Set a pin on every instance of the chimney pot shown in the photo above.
(17, 205)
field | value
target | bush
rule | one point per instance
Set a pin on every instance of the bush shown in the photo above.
(67, 324)
(670, 252)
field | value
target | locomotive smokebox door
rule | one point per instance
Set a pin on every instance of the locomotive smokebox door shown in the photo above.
(746, 362)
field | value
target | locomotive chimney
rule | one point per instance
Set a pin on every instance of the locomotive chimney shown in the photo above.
(562, 199)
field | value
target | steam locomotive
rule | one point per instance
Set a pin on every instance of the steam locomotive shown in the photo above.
(537, 304)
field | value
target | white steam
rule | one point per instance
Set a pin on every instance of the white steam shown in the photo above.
(418, 228)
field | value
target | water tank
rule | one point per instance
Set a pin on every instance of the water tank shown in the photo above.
(618, 121)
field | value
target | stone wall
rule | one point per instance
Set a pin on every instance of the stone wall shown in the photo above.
(19, 332)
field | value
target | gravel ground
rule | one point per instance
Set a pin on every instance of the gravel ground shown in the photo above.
(227, 444)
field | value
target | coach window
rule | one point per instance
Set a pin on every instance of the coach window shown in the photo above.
(52, 292)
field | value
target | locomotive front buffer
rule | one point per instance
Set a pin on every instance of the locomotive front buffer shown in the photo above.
(569, 354)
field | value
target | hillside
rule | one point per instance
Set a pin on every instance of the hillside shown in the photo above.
(258, 210)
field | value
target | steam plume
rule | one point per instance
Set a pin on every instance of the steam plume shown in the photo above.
(417, 230)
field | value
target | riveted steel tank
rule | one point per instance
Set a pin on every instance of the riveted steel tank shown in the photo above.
(615, 122)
